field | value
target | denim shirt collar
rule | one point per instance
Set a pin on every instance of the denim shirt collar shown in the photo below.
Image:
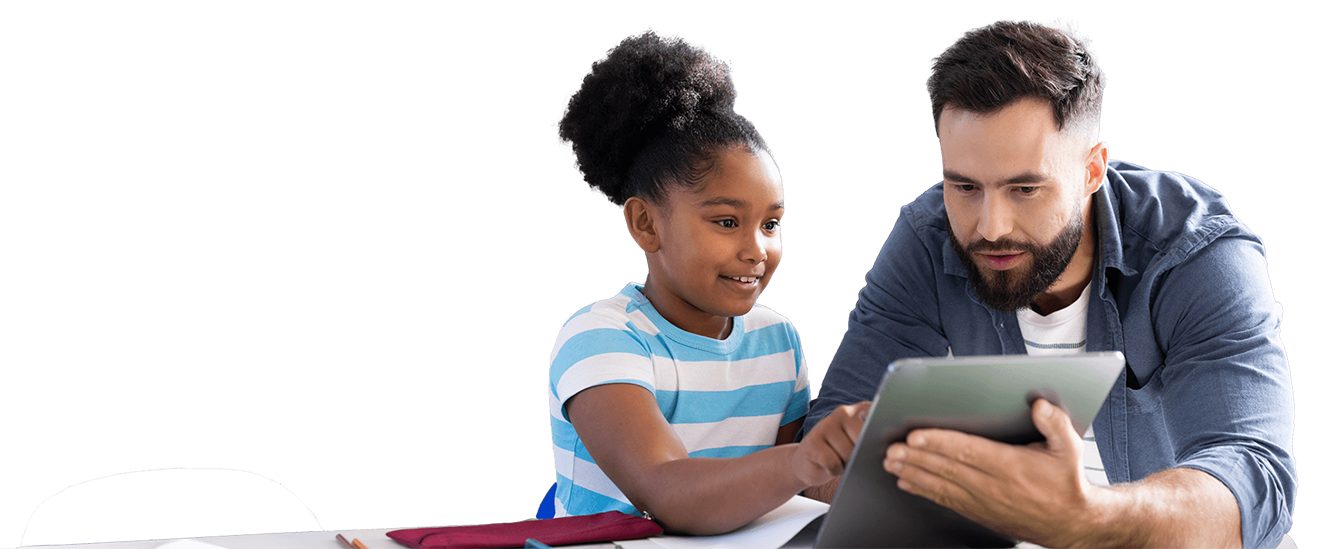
(1109, 238)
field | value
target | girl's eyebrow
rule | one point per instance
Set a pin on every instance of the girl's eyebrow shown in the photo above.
(734, 203)
(722, 201)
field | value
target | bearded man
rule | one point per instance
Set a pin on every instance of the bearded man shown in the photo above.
(1036, 243)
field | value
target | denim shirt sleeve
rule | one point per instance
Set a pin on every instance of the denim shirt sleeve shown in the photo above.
(896, 316)
(1224, 387)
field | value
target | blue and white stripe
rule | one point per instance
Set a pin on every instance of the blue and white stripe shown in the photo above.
(723, 398)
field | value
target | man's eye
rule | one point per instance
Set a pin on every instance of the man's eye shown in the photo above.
(964, 188)
(1026, 190)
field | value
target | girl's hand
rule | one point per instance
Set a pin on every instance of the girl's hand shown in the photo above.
(824, 452)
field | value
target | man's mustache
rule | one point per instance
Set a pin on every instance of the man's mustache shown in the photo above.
(1001, 245)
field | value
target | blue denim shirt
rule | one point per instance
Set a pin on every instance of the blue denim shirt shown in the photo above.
(1180, 287)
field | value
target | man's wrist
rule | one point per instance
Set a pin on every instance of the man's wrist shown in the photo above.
(1112, 517)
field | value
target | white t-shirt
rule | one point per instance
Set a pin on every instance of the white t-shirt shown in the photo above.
(1064, 332)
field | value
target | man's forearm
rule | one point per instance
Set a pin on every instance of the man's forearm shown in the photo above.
(1173, 508)
(824, 492)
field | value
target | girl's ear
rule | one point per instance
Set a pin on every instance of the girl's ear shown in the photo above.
(642, 227)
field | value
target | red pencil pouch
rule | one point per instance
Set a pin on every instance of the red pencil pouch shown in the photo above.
(608, 526)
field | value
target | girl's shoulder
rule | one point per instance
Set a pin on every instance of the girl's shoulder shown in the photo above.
(761, 317)
(623, 311)
(600, 344)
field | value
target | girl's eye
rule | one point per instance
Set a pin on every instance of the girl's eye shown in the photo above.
(728, 223)
(771, 226)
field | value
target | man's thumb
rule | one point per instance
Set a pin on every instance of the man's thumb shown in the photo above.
(1055, 424)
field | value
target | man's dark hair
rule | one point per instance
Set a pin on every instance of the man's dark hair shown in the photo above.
(994, 66)
(655, 113)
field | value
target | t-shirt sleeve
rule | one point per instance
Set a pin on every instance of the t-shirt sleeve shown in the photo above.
(595, 348)
(798, 406)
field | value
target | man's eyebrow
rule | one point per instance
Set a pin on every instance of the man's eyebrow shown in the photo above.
(1027, 177)
(958, 178)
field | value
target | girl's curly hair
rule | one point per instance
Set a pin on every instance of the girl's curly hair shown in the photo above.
(655, 113)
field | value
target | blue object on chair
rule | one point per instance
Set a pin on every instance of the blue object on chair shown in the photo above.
(547, 508)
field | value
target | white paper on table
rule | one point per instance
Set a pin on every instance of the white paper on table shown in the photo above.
(188, 544)
(769, 531)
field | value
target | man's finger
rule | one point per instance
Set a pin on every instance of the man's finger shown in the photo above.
(1055, 424)
(927, 484)
(904, 458)
(977, 452)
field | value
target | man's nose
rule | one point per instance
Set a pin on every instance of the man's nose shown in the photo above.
(996, 218)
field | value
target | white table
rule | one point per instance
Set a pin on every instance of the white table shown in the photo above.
(373, 539)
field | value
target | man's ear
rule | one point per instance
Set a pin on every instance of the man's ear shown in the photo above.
(642, 227)
(1097, 160)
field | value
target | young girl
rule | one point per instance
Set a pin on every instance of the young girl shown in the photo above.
(679, 398)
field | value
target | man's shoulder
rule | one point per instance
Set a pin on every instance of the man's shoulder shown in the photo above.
(927, 220)
(1164, 212)
(927, 210)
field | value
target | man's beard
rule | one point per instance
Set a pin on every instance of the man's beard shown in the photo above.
(1013, 289)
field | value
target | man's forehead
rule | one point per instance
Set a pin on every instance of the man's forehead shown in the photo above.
(959, 114)
(1032, 113)
(1032, 117)
(1024, 105)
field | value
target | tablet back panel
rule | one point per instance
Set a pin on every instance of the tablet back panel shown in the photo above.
(987, 396)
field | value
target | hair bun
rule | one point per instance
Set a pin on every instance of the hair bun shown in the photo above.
(646, 86)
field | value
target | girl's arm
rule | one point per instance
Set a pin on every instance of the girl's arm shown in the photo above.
(786, 434)
(624, 431)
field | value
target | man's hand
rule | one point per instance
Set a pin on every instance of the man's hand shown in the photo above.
(825, 450)
(1034, 493)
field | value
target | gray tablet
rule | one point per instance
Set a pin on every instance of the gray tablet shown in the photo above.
(988, 396)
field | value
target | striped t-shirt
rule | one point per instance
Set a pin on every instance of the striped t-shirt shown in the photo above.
(723, 398)
(1064, 332)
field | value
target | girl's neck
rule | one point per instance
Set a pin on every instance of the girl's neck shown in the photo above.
(685, 316)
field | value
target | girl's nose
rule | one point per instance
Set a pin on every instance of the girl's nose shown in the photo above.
(754, 250)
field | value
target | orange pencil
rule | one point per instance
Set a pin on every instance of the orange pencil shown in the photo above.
(358, 544)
